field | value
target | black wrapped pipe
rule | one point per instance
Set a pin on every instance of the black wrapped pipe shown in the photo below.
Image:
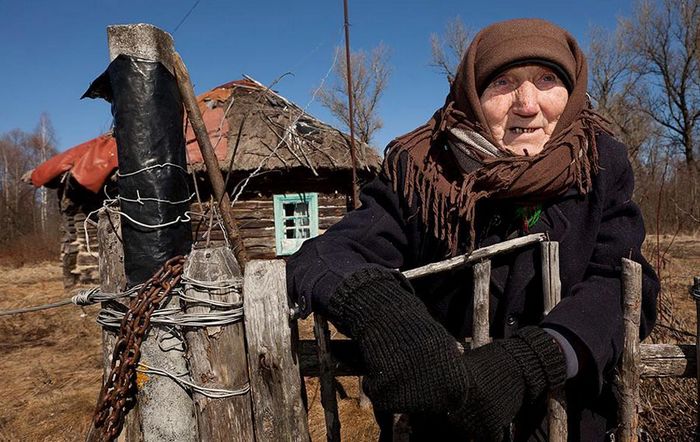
(153, 184)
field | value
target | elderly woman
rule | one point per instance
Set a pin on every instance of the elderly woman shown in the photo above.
(514, 150)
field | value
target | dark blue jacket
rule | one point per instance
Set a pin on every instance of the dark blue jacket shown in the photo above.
(594, 232)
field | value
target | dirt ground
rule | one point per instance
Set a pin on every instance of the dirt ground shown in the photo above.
(51, 365)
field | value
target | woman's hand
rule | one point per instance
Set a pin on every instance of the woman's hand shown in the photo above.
(413, 364)
(505, 375)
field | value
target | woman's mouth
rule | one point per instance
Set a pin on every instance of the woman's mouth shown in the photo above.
(523, 130)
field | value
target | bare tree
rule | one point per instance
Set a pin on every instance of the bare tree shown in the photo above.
(20, 152)
(447, 50)
(612, 85)
(663, 42)
(645, 79)
(44, 142)
(370, 76)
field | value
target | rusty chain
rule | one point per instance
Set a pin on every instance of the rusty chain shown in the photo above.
(118, 394)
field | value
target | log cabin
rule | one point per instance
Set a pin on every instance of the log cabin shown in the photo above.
(289, 176)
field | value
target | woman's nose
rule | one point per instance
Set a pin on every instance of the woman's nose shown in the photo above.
(525, 103)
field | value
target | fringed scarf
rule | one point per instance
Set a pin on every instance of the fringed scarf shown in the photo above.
(569, 158)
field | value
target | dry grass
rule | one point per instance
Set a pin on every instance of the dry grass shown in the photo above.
(51, 363)
(356, 423)
(668, 411)
(29, 249)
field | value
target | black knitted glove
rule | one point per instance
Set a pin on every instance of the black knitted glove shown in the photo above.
(505, 375)
(413, 364)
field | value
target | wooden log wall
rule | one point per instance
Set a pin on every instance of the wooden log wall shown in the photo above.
(256, 219)
(79, 266)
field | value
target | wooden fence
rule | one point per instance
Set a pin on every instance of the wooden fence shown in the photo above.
(265, 353)
(326, 359)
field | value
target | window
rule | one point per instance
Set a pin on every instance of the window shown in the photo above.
(296, 219)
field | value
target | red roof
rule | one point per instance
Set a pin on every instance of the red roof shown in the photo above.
(92, 162)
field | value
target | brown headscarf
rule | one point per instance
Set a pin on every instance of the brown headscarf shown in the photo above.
(487, 170)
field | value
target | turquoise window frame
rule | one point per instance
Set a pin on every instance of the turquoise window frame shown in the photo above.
(286, 246)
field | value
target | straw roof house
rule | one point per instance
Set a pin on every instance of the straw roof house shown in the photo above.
(288, 173)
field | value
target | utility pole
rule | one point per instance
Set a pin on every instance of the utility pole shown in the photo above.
(351, 117)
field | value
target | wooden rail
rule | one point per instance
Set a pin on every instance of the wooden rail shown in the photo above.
(342, 357)
(657, 360)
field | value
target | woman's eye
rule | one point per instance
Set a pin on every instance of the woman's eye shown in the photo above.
(499, 82)
(550, 78)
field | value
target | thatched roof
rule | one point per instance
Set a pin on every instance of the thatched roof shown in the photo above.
(277, 134)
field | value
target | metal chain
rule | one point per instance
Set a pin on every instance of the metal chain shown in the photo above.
(118, 394)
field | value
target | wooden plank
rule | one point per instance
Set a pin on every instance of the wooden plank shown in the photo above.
(628, 382)
(476, 255)
(247, 224)
(327, 379)
(253, 213)
(657, 360)
(332, 211)
(668, 360)
(482, 278)
(551, 287)
(266, 242)
(278, 410)
(328, 199)
(217, 355)
(268, 232)
(253, 204)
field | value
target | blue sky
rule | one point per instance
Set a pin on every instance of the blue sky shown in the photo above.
(51, 50)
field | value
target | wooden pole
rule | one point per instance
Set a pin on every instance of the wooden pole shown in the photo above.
(217, 355)
(482, 280)
(112, 280)
(212, 164)
(695, 292)
(657, 360)
(165, 410)
(364, 400)
(630, 367)
(327, 379)
(351, 112)
(476, 255)
(278, 410)
(551, 285)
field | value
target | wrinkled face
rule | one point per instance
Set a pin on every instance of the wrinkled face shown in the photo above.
(522, 106)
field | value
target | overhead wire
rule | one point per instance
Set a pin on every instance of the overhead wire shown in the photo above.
(186, 16)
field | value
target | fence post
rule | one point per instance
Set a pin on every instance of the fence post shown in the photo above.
(278, 409)
(630, 367)
(482, 280)
(165, 410)
(216, 355)
(551, 286)
(112, 280)
(695, 293)
(326, 379)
